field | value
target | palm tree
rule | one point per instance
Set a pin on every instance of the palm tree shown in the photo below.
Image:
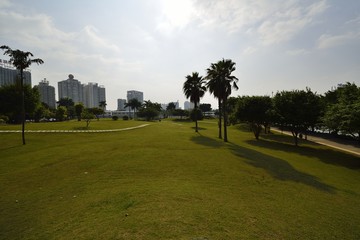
(214, 87)
(220, 84)
(133, 104)
(21, 60)
(194, 89)
(102, 105)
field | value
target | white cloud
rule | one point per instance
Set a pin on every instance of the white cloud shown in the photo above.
(288, 22)
(249, 50)
(297, 52)
(273, 21)
(5, 3)
(329, 41)
(354, 21)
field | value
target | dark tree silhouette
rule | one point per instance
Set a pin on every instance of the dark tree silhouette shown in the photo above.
(220, 84)
(194, 89)
(21, 60)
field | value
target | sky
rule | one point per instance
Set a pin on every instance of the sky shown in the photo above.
(152, 45)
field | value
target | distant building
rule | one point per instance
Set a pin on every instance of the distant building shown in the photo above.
(71, 88)
(47, 93)
(102, 95)
(188, 105)
(121, 104)
(135, 94)
(90, 94)
(9, 74)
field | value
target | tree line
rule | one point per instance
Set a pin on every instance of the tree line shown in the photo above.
(336, 112)
(299, 111)
(219, 81)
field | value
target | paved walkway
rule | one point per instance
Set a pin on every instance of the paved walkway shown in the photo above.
(340, 144)
(74, 131)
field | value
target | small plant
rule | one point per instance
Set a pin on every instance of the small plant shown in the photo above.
(125, 117)
(3, 119)
(115, 118)
(87, 116)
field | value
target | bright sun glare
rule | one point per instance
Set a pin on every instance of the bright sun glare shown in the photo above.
(178, 12)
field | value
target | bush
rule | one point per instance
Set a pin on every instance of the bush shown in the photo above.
(125, 117)
(4, 119)
(199, 113)
(115, 118)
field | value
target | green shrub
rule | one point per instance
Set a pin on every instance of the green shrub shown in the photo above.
(199, 113)
(4, 119)
(125, 117)
(115, 118)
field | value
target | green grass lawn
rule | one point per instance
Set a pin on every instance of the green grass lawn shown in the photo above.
(165, 181)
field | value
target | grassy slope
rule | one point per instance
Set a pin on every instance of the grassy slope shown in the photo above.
(166, 182)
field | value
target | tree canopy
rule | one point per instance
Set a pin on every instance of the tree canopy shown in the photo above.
(220, 84)
(194, 89)
(21, 60)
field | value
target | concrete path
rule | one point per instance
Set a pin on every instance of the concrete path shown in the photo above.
(339, 144)
(75, 131)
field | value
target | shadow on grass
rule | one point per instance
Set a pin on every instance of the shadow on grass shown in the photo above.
(309, 149)
(206, 141)
(276, 167)
(279, 168)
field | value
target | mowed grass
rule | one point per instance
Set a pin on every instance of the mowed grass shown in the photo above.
(165, 181)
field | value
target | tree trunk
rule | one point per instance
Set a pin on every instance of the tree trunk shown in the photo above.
(256, 130)
(22, 106)
(295, 135)
(225, 120)
(220, 116)
(195, 116)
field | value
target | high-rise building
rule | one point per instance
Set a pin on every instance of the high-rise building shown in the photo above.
(9, 74)
(47, 93)
(135, 94)
(188, 105)
(121, 104)
(102, 95)
(71, 88)
(93, 95)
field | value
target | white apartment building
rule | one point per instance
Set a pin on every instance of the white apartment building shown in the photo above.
(47, 93)
(71, 88)
(9, 74)
(121, 104)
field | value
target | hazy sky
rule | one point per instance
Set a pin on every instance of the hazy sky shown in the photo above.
(151, 45)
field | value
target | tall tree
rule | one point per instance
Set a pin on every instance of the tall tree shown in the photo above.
(342, 111)
(79, 107)
(10, 101)
(134, 104)
(170, 108)
(296, 110)
(194, 89)
(221, 82)
(21, 60)
(255, 111)
(205, 107)
(150, 110)
(102, 104)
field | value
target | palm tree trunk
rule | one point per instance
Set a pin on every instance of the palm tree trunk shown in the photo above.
(22, 106)
(195, 116)
(220, 116)
(225, 120)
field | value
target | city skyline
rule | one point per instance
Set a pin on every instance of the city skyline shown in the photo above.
(152, 45)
